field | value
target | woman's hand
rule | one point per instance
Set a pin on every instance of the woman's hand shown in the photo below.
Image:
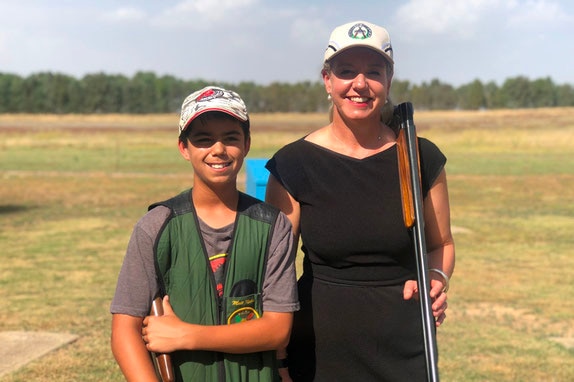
(439, 298)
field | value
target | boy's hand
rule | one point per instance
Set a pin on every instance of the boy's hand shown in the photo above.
(161, 333)
(284, 374)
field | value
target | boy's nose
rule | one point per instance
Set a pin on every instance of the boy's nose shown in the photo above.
(218, 147)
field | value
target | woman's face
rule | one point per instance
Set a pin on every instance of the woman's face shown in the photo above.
(359, 83)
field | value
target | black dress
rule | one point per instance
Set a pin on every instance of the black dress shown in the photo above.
(354, 324)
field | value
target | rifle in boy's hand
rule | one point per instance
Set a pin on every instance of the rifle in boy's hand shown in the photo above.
(413, 214)
(162, 362)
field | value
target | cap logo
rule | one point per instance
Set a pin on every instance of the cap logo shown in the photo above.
(360, 31)
(209, 95)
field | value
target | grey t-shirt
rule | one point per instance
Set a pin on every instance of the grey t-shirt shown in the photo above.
(137, 283)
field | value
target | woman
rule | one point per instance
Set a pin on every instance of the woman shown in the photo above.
(359, 318)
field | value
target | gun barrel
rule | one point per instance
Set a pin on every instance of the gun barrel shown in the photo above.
(407, 128)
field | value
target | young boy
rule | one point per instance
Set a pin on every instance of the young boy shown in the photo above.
(222, 259)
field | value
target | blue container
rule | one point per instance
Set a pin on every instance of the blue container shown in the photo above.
(256, 177)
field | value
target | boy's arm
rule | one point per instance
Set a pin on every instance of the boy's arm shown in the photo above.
(129, 349)
(168, 333)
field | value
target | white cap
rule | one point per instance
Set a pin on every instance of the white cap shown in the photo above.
(211, 98)
(360, 33)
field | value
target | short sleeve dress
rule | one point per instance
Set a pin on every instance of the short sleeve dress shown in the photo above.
(354, 324)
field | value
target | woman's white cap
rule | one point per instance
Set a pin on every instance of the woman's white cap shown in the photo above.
(360, 33)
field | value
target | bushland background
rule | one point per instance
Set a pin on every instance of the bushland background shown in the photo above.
(146, 92)
(73, 186)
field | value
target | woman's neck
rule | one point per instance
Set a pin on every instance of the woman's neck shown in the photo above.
(359, 139)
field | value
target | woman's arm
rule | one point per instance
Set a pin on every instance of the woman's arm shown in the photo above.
(279, 197)
(438, 234)
(440, 246)
(129, 349)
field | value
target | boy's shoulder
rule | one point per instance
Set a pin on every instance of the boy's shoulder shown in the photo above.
(248, 205)
(257, 209)
(153, 220)
(179, 204)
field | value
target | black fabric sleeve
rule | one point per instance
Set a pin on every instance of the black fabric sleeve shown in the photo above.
(285, 166)
(432, 163)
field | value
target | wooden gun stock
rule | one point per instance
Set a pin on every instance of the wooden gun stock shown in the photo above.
(405, 180)
(162, 361)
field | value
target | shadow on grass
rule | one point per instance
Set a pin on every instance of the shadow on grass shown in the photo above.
(13, 209)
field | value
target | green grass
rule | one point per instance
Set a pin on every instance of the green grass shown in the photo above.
(69, 199)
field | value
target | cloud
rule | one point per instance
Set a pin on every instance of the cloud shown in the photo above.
(441, 17)
(198, 13)
(213, 7)
(125, 14)
(309, 31)
(539, 12)
(462, 20)
(3, 45)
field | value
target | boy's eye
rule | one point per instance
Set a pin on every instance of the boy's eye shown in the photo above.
(201, 141)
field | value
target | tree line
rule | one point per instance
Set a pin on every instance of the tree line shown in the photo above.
(145, 92)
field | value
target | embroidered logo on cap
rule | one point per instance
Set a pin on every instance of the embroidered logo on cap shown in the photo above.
(360, 31)
(209, 95)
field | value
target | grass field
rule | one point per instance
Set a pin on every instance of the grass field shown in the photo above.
(72, 188)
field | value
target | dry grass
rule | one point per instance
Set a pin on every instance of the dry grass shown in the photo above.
(73, 186)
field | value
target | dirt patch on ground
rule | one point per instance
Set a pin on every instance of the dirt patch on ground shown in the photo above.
(456, 229)
(523, 320)
(19, 348)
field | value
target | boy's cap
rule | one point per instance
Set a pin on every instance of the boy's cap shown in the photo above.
(360, 33)
(211, 98)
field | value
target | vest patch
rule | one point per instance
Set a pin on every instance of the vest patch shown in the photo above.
(242, 315)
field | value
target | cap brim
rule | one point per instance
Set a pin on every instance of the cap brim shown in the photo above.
(239, 118)
(385, 56)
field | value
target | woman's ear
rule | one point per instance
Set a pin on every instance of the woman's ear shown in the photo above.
(326, 81)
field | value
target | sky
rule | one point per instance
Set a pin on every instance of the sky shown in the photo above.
(264, 41)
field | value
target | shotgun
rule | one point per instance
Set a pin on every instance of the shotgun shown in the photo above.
(162, 362)
(412, 202)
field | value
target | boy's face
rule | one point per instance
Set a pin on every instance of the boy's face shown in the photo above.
(216, 149)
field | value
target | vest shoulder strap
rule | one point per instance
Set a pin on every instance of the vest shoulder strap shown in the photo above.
(179, 204)
(256, 209)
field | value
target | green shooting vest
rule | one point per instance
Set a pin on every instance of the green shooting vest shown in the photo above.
(184, 273)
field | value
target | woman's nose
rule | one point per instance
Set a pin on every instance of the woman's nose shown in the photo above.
(360, 81)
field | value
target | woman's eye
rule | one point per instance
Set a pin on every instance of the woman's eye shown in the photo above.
(346, 73)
